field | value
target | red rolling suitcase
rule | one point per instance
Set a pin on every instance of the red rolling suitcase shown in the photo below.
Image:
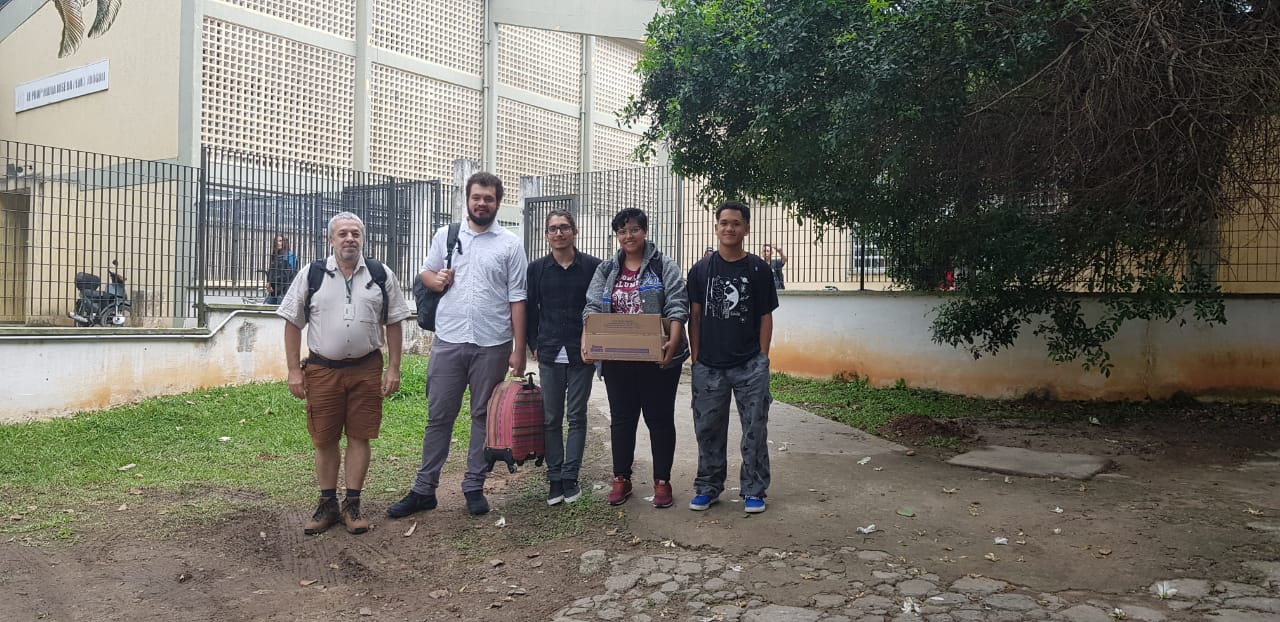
(515, 425)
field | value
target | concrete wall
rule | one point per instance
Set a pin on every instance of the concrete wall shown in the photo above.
(56, 372)
(137, 116)
(886, 337)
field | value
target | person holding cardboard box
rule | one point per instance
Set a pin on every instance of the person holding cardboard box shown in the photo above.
(639, 279)
(732, 296)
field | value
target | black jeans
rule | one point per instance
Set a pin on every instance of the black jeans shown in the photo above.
(637, 389)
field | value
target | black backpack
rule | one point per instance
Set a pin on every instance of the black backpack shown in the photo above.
(428, 301)
(319, 269)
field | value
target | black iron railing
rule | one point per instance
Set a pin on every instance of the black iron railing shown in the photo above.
(64, 212)
(249, 199)
(817, 257)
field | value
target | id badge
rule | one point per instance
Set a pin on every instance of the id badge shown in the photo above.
(349, 312)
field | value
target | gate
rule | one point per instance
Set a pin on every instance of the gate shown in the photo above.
(247, 199)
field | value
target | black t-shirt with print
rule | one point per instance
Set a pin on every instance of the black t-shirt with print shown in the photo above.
(734, 296)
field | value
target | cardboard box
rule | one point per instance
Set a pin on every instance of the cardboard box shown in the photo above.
(624, 337)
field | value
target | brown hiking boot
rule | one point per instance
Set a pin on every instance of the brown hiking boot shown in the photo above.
(351, 516)
(620, 492)
(662, 494)
(325, 517)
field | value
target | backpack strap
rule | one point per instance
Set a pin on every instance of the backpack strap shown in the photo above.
(319, 269)
(316, 272)
(451, 242)
(378, 274)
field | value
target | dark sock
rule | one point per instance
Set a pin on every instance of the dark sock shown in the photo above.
(353, 493)
(329, 493)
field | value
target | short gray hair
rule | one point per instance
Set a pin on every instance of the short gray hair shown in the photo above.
(344, 216)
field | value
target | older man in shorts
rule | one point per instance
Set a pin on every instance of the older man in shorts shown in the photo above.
(342, 378)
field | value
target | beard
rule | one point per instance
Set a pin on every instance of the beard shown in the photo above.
(483, 221)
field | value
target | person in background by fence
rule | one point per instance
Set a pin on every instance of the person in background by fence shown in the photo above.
(640, 279)
(732, 298)
(480, 332)
(342, 378)
(557, 293)
(775, 264)
(280, 270)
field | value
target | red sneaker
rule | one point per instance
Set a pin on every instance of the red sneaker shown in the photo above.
(662, 494)
(620, 492)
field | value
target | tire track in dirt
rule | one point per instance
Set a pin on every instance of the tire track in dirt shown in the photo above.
(35, 592)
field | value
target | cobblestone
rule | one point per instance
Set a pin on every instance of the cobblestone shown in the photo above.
(689, 588)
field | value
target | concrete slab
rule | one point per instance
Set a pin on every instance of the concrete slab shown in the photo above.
(1017, 461)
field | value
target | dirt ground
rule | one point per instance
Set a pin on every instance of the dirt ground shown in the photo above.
(1177, 502)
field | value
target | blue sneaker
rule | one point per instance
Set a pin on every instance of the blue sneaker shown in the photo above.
(753, 505)
(702, 502)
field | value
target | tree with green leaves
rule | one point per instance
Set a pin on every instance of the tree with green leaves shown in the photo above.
(1048, 148)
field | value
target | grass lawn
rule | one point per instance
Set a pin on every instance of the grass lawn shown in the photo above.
(857, 404)
(249, 440)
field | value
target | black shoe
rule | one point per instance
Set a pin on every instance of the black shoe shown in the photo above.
(556, 495)
(571, 490)
(476, 503)
(411, 504)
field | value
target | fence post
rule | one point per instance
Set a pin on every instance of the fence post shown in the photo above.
(202, 230)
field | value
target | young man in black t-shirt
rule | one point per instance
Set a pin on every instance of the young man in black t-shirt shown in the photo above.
(732, 298)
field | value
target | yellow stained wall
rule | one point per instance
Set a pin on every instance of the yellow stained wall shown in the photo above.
(1250, 239)
(137, 116)
(14, 227)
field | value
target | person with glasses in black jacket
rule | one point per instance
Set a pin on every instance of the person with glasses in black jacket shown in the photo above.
(557, 293)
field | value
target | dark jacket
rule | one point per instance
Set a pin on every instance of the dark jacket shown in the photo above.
(553, 317)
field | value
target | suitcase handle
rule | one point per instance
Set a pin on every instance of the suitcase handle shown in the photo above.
(528, 381)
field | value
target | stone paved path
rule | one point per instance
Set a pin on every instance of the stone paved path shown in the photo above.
(853, 585)
(1141, 544)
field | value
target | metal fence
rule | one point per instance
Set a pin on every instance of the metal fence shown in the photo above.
(183, 236)
(1245, 251)
(248, 199)
(817, 257)
(64, 211)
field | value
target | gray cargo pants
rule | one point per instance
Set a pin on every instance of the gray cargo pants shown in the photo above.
(712, 390)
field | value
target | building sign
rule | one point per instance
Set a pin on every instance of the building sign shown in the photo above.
(61, 87)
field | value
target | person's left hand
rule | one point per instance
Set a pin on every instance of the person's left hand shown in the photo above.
(390, 382)
(669, 349)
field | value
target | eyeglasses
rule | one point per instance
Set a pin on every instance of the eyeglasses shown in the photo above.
(554, 229)
(628, 231)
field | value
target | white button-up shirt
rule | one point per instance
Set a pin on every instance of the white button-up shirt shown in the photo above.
(489, 275)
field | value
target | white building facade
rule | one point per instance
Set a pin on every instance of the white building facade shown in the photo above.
(400, 87)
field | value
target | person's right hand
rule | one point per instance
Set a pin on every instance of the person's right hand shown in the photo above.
(444, 279)
(296, 385)
(586, 358)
